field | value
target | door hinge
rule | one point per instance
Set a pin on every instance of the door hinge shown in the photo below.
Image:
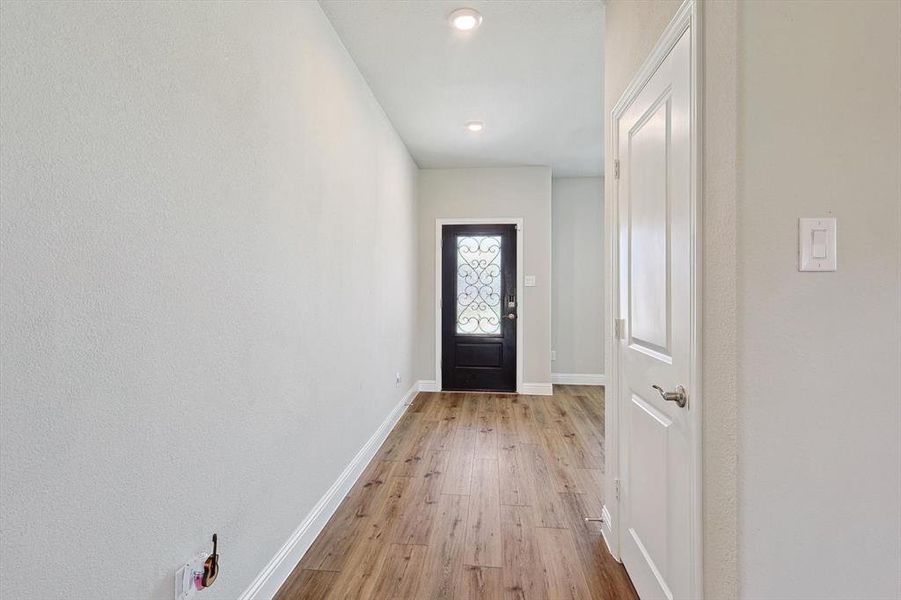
(616, 487)
(619, 326)
(616, 168)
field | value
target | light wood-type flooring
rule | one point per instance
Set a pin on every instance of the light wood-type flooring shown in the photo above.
(474, 496)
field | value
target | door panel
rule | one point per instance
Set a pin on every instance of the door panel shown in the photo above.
(648, 453)
(648, 233)
(654, 196)
(480, 355)
(479, 307)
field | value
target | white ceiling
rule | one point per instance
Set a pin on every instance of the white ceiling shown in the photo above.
(533, 72)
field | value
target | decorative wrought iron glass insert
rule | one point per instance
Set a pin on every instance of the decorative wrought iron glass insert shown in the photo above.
(479, 284)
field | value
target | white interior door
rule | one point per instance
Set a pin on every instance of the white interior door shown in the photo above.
(655, 254)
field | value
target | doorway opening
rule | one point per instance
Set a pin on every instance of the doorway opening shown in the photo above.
(653, 427)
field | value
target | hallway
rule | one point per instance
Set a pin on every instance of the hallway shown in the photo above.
(474, 496)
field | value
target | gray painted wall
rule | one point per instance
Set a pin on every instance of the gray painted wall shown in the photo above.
(577, 273)
(820, 353)
(202, 206)
(498, 192)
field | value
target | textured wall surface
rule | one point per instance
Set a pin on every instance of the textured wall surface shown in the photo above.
(207, 250)
(719, 300)
(504, 192)
(820, 353)
(577, 292)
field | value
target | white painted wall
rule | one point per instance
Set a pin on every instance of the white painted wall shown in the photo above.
(208, 283)
(820, 353)
(577, 291)
(503, 192)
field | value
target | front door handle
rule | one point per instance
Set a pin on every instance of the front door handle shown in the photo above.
(679, 396)
(511, 316)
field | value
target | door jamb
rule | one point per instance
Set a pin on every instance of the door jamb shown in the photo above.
(688, 15)
(520, 325)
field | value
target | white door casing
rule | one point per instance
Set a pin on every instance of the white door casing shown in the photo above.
(655, 272)
(521, 324)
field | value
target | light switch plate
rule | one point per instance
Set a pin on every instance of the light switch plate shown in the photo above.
(530, 280)
(816, 245)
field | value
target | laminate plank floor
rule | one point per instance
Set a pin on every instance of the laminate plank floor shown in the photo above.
(474, 496)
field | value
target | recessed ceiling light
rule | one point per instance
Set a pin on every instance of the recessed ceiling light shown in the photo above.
(475, 126)
(465, 19)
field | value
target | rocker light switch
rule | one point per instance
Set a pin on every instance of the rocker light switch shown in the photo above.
(816, 239)
(529, 280)
(818, 247)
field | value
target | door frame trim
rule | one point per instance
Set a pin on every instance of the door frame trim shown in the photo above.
(440, 222)
(687, 16)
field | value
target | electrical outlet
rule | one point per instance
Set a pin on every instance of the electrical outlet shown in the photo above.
(553, 355)
(185, 589)
(397, 379)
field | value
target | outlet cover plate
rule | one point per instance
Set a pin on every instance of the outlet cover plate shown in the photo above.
(184, 578)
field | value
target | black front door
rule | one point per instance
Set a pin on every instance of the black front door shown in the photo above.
(478, 307)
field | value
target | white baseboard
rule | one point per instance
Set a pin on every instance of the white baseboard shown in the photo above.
(428, 385)
(537, 389)
(271, 578)
(579, 378)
